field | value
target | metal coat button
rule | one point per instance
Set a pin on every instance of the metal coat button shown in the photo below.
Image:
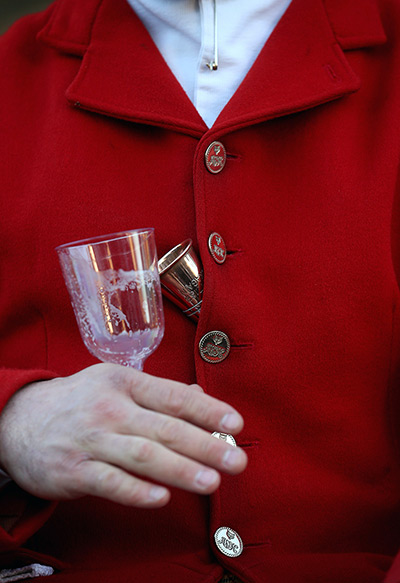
(228, 541)
(215, 157)
(227, 437)
(217, 247)
(214, 347)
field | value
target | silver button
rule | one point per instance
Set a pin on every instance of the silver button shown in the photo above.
(215, 157)
(228, 541)
(217, 247)
(224, 437)
(214, 347)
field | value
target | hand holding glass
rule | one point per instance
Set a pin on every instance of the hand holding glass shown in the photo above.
(115, 292)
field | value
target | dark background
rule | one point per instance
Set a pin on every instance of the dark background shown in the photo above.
(11, 10)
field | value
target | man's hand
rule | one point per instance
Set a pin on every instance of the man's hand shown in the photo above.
(107, 429)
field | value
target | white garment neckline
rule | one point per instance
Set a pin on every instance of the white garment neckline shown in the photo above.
(184, 33)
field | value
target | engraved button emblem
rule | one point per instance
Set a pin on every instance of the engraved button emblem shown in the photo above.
(227, 437)
(228, 541)
(214, 347)
(215, 157)
(217, 248)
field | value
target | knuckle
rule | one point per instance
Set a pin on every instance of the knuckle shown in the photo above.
(169, 431)
(178, 401)
(109, 481)
(71, 462)
(113, 374)
(197, 388)
(108, 409)
(136, 383)
(134, 495)
(74, 475)
(101, 368)
(143, 451)
(89, 437)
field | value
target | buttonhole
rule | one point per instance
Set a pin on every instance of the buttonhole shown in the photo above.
(248, 444)
(231, 252)
(332, 73)
(243, 346)
(267, 542)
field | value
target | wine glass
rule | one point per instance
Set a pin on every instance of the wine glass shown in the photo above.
(115, 292)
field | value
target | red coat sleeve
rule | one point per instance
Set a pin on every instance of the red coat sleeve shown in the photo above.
(20, 513)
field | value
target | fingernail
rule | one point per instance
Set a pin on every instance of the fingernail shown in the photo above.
(205, 478)
(232, 458)
(230, 421)
(156, 493)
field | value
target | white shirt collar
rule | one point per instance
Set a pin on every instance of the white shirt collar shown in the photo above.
(183, 31)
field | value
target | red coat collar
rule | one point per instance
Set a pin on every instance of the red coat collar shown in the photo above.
(302, 65)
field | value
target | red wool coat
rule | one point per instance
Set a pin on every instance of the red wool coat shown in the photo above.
(97, 136)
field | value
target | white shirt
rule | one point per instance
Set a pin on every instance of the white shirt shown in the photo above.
(183, 31)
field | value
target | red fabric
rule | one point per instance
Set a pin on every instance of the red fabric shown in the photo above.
(98, 136)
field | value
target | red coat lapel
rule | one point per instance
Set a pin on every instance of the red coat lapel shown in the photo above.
(302, 65)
